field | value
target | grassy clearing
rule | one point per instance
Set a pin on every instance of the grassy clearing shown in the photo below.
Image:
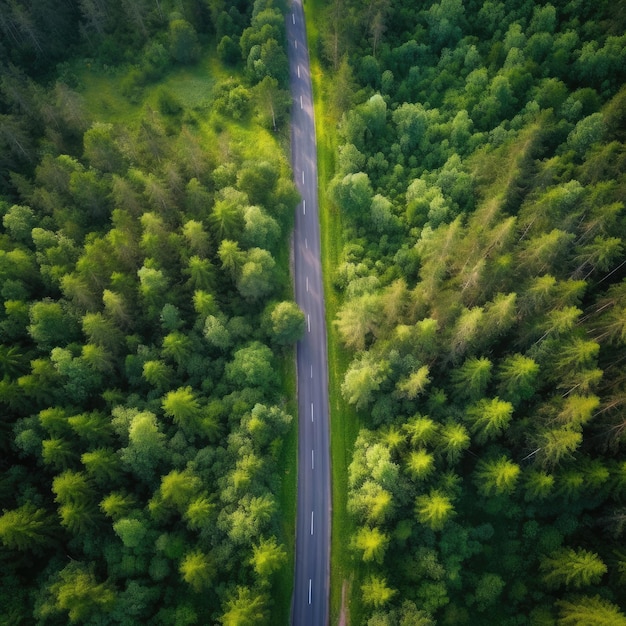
(103, 98)
(192, 86)
(344, 420)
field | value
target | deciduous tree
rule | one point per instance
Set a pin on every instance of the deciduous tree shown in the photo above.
(268, 557)
(363, 379)
(375, 592)
(252, 366)
(243, 606)
(286, 322)
(257, 278)
(371, 544)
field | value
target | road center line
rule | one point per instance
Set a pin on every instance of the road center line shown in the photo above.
(307, 283)
(312, 467)
(308, 321)
(310, 591)
(293, 18)
(311, 522)
(306, 243)
(311, 411)
(302, 170)
(298, 71)
(295, 41)
(301, 107)
(311, 371)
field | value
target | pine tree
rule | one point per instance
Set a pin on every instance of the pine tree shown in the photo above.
(471, 379)
(589, 611)
(434, 509)
(415, 384)
(538, 485)
(78, 592)
(421, 430)
(359, 319)
(497, 476)
(556, 445)
(420, 464)
(454, 440)
(517, 377)
(197, 570)
(489, 418)
(572, 568)
(184, 409)
(466, 331)
(26, 528)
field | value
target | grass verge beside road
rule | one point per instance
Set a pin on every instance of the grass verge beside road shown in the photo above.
(344, 422)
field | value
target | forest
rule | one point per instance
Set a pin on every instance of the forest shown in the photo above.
(147, 321)
(479, 186)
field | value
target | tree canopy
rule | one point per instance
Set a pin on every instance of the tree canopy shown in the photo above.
(145, 202)
(477, 223)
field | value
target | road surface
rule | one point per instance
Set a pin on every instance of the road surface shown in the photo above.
(312, 567)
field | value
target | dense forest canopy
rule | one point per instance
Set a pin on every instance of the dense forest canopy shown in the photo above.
(146, 311)
(480, 186)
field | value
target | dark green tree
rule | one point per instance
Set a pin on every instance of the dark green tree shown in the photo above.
(183, 42)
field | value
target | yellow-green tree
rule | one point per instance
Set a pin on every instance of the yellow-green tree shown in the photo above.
(434, 509)
(572, 568)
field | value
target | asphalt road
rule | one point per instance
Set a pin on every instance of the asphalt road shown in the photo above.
(312, 567)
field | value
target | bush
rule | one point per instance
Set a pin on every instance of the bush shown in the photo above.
(168, 103)
(228, 51)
